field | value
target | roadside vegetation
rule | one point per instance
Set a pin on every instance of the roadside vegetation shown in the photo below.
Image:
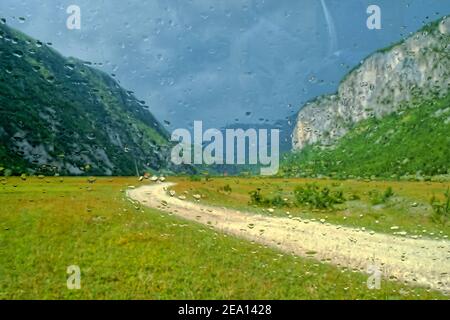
(441, 209)
(317, 197)
(412, 209)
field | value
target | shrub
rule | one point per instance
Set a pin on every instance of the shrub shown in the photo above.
(379, 198)
(225, 189)
(195, 178)
(441, 210)
(278, 202)
(318, 198)
(256, 198)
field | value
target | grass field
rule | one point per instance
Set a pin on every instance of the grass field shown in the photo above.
(129, 252)
(408, 210)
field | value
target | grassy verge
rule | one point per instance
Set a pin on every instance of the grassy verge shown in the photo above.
(129, 252)
(407, 210)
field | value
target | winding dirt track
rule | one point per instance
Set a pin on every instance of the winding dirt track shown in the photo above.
(419, 262)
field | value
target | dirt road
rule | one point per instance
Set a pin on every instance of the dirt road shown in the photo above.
(416, 261)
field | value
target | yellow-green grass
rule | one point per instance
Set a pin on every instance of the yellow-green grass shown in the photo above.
(129, 252)
(409, 209)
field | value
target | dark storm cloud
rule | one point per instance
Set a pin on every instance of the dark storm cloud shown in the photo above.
(218, 61)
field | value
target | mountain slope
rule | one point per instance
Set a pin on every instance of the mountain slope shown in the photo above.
(389, 118)
(414, 142)
(58, 115)
(417, 67)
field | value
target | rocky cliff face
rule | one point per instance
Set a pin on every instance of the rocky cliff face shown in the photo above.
(417, 67)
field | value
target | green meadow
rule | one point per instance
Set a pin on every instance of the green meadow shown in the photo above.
(126, 251)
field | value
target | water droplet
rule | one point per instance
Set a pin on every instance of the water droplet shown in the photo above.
(91, 136)
(70, 66)
(18, 54)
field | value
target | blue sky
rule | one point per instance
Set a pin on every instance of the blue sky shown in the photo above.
(222, 62)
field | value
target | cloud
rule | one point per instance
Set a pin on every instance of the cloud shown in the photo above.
(220, 61)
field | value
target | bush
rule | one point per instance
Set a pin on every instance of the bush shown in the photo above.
(278, 202)
(195, 178)
(379, 198)
(225, 189)
(441, 210)
(318, 198)
(256, 198)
